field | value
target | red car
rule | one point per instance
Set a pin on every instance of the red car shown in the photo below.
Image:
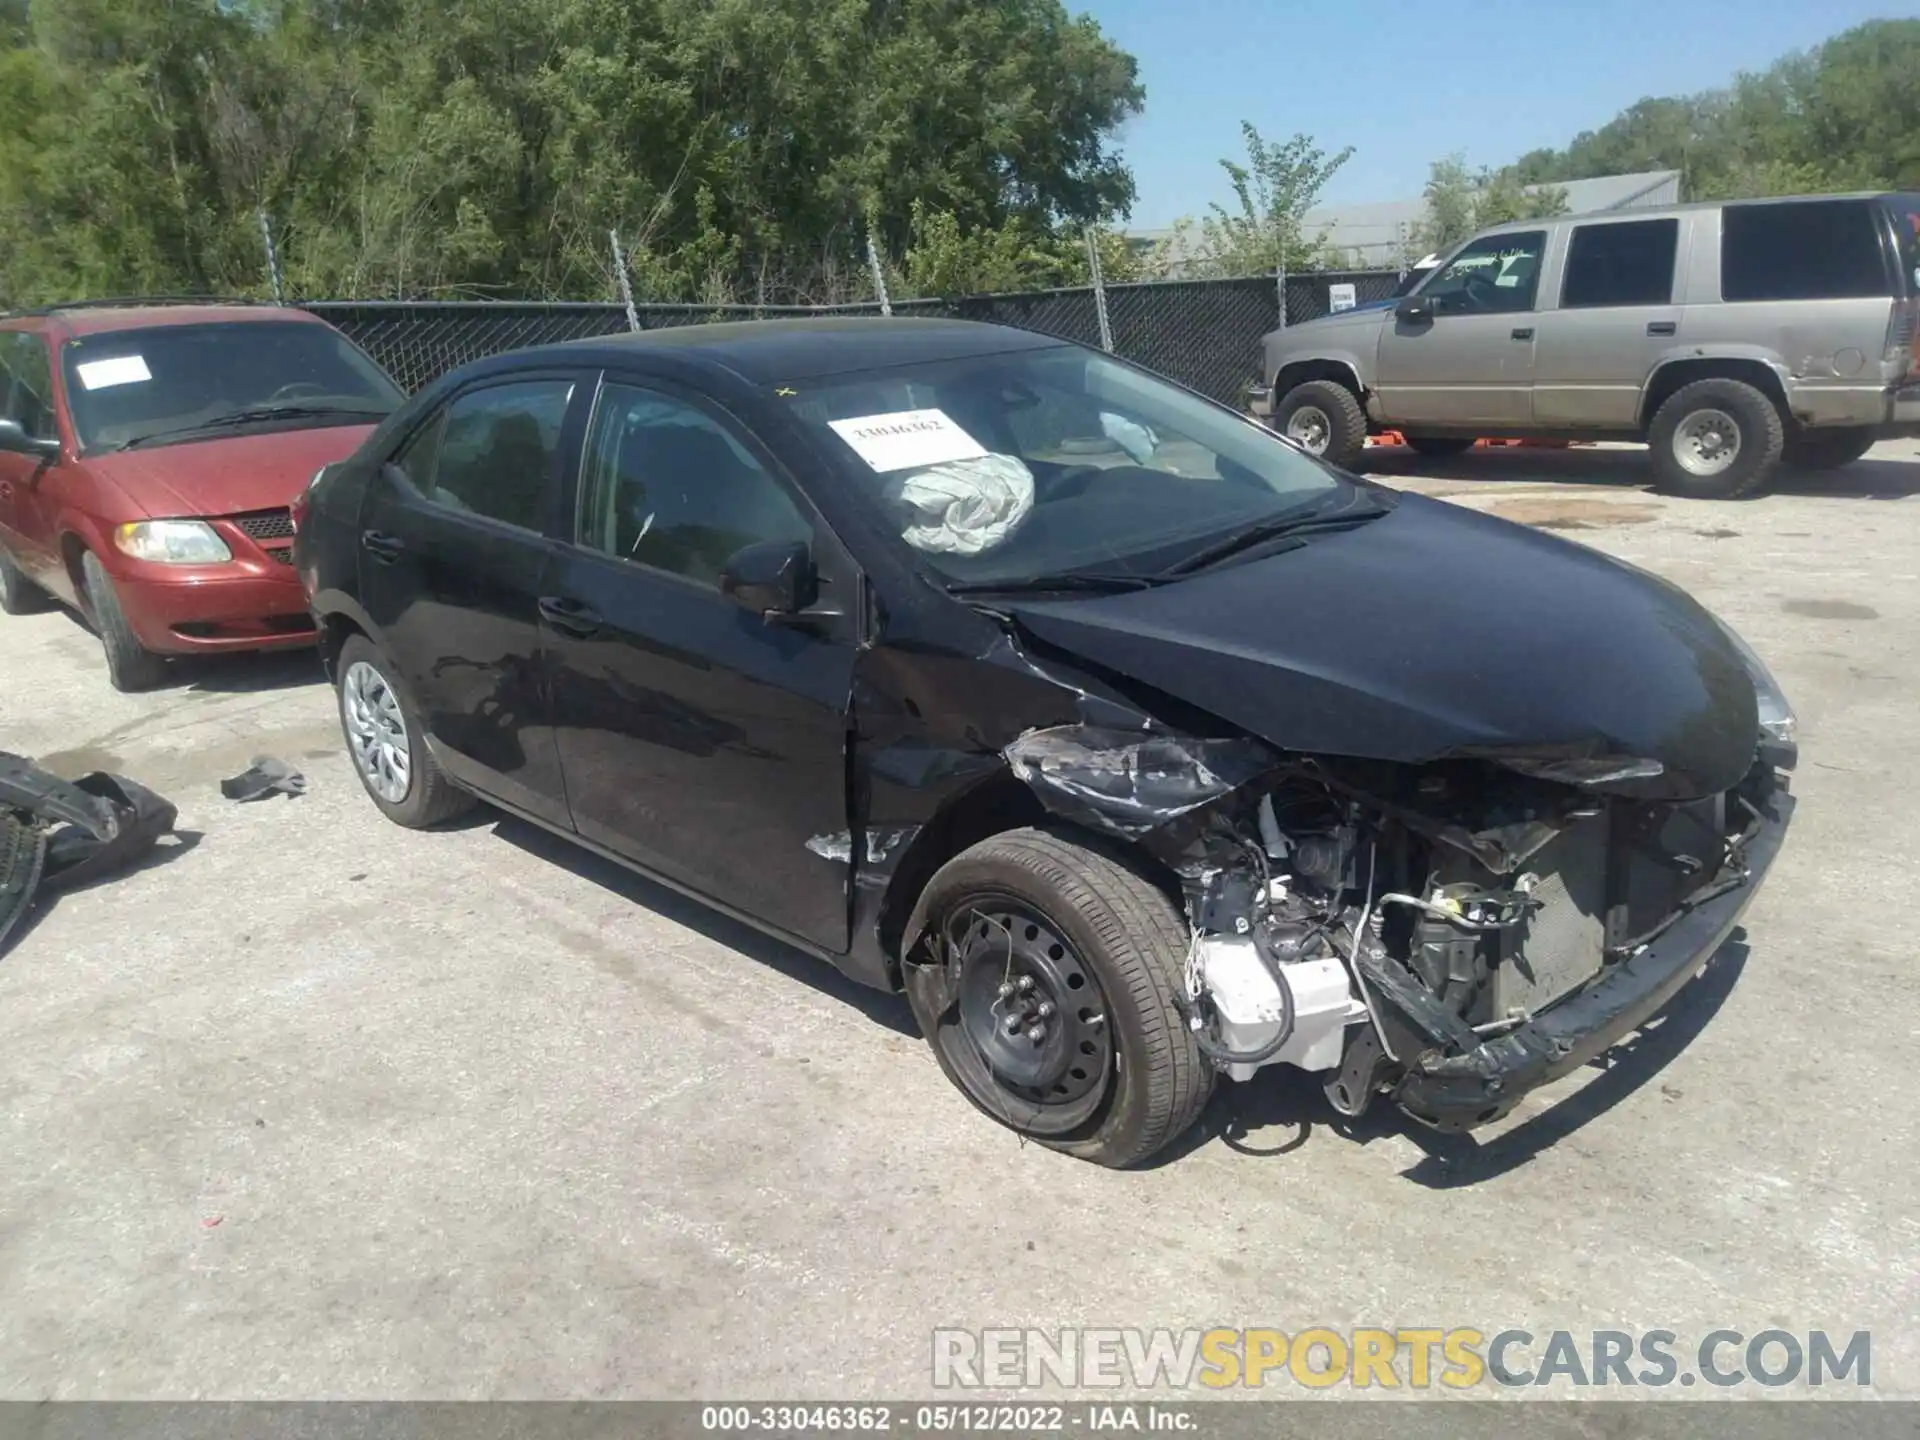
(149, 457)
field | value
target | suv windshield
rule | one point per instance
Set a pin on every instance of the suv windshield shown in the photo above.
(1044, 463)
(182, 382)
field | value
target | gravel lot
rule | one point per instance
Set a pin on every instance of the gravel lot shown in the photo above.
(314, 1106)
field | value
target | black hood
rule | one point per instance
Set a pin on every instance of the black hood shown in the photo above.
(1435, 632)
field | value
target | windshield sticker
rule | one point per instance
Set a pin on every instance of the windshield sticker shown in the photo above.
(121, 370)
(906, 439)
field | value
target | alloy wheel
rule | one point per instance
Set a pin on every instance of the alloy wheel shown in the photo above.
(376, 732)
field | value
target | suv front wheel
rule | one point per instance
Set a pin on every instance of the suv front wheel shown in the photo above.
(1715, 440)
(1324, 418)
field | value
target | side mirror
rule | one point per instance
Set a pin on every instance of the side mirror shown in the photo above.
(1414, 310)
(16, 441)
(774, 578)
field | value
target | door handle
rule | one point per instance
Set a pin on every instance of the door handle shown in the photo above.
(383, 547)
(569, 615)
(1525, 332)
(1661, 327)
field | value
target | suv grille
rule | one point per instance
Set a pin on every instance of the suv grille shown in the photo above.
(266, 524)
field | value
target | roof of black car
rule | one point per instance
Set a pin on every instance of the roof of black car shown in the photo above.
(772, 351)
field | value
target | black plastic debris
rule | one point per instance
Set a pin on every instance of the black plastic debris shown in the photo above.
(58, 833)
(266, 776)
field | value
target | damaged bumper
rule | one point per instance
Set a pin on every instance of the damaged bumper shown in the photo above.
(1461, 1091)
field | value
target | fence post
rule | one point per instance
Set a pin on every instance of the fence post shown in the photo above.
(1280, 284)
(879, 276)
(626, 285)
(273, 258)
(1099, 290)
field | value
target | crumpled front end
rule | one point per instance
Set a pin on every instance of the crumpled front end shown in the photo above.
(1452, 934)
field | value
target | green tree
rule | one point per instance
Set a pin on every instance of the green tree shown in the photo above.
(1461, 202)
(1273, 191)
(1844, 115)
(445, 147)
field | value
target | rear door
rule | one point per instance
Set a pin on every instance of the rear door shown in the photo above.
(1472, 362)
(455, 540)
(699, 740)
(1615, 318)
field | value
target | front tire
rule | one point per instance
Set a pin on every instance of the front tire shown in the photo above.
(1052, 1007)
(1324, 418)
(1715, 440)
(19, 595)
(131, 667)
(388, 744)
(1829, 449)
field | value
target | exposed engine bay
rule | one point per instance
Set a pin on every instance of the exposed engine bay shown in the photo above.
(1401, 929)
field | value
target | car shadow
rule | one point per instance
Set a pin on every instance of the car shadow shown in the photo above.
(239, 672)
(891, 1011)
(1291, 1102)
(1873, 478)
(247, 673)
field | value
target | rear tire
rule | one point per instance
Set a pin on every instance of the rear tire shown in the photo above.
(1715, 440)
(1324, 418)
(1117, 1075)
(131, 667)
(1439, 446)
(19, 595)
(381, 725)
(1829, 449)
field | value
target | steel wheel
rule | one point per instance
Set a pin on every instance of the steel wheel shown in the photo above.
(1707, 442)
(1310, 429)
(376, 732)
(1030, 1037)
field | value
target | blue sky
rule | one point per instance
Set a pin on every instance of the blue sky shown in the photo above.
(1408, 83)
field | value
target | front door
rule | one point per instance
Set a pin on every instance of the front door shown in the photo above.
(455, 541)
(699, 740)
(28, 483)
(1615, 319)
(1471, 362)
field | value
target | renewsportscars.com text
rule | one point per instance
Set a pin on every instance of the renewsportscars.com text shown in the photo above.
(1462, 1358)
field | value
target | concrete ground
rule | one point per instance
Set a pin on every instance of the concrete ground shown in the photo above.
(313, 1106)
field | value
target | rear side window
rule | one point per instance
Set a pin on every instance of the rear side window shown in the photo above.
(26, 384)
(1630, 263)
(498, 452)
(1805, 250)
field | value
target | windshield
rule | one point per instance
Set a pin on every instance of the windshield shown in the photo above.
(1048, 462)
(168, 382)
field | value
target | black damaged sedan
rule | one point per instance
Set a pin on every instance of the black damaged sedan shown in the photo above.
(1135, 746)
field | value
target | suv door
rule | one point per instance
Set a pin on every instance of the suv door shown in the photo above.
(1615, 319)
(26, 395)
(455, 540)
(1471, 361)
(699, 740)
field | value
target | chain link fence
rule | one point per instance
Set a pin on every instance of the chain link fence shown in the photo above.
(1203, 333)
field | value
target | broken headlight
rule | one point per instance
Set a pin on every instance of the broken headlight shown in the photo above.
(1777, 720)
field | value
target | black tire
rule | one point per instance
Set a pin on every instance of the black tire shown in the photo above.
(1439, 446)
(1122, 931)
(19, 595)
(430, 796)
(131, 667)
(1829, 449)
(1346, 422)
(1759, 439)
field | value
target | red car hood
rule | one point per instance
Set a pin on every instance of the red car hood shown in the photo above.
(227, 476)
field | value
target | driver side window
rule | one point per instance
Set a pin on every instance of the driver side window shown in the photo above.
(1495, 275)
